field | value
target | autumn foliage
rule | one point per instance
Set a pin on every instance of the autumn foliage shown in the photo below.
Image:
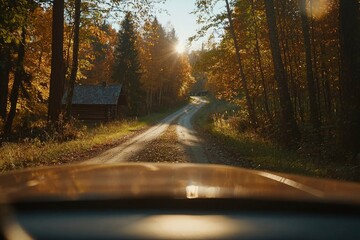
(163, 76)
(293, 57)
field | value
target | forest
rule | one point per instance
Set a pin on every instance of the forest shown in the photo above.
(46, 48)
(292, 67)
(296, 76)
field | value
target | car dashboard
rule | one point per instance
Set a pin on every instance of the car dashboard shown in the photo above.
(161, 218)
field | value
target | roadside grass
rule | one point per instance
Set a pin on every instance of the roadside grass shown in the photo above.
(92, 140)
(260, 153)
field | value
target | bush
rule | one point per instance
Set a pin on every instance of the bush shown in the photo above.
(67, 130)
(231, 120)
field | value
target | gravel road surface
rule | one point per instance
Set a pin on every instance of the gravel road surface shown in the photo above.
(171, 140)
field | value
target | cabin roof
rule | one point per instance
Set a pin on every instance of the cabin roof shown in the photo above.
(95, 95)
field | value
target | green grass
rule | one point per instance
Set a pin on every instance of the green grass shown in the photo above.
(91, 141)
(260, 153)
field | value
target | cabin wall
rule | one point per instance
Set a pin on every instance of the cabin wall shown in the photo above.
(95, 112)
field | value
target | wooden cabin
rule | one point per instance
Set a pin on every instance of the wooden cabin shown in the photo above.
(97, 102)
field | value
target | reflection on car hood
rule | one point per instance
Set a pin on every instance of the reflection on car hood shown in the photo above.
(143, 180)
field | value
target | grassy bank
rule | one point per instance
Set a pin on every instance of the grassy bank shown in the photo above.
(220, 120)
(91, 140)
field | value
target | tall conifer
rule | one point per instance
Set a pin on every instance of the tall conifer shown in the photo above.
(127, 66)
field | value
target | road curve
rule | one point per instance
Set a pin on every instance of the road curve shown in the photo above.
(126, 150)
(188, 137)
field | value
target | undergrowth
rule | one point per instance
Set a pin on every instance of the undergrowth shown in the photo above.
(68, 142)
(228, 125)
(37, 152)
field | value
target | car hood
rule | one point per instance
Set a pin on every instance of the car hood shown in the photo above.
(146, 180)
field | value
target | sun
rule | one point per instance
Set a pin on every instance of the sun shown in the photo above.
(180, 48)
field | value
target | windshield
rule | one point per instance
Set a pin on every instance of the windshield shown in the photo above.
(169, 119)
(262, 85)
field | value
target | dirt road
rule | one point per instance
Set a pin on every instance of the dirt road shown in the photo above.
(172, 138)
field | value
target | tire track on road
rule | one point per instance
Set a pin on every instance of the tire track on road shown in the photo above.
(178, 144)
(189, 138)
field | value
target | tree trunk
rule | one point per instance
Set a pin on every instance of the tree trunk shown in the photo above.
(75, 59)
(40, 59)
(261, 69)
(151, 99)
(160, 94)
(325, 83)
(57, 78)
(314, 112)
(286, 39)
(315, 61)
(68, 48)
(249, 104)
(350, 75)
(19, 77)
(290, 133)
(4, 80)
(296, 85)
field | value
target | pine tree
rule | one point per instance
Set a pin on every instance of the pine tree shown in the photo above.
(127, 66)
